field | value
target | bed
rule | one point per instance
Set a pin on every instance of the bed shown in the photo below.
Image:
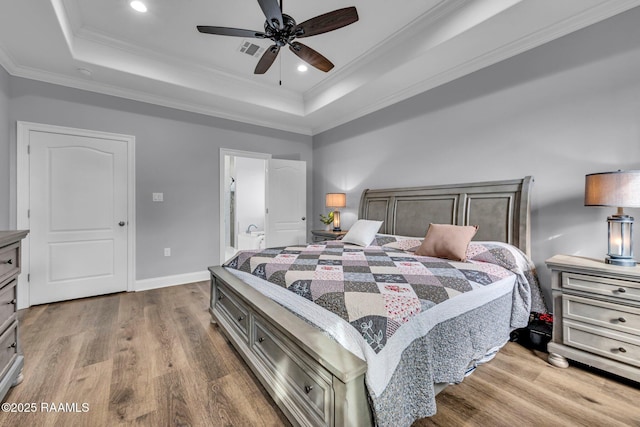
(313, 363)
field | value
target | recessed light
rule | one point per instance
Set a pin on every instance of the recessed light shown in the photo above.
(302, 68)
(138, 6)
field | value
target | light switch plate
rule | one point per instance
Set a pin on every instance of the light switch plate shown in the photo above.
(158, 197)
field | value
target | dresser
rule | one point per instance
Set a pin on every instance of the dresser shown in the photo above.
(596, 309)
(11, 359)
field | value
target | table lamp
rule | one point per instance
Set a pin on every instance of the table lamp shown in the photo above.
(620, 189)
(336, 200)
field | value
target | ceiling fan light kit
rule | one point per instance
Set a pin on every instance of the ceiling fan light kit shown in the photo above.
(282, 29)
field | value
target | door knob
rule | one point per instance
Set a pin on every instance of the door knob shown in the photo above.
(304, 217)
(121, 223)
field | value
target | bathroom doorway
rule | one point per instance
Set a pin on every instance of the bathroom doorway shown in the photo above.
(262, 202)
(243, 205)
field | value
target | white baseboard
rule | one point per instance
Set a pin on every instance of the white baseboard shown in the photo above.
(176, 279)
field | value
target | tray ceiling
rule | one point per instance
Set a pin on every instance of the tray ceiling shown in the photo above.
(385, 57)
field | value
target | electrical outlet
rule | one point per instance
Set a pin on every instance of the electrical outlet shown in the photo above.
(158, 197)
(167, 251)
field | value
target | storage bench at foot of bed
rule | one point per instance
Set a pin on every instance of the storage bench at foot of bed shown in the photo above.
(314, 380)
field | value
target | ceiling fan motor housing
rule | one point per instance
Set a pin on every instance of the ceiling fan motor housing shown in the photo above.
(282, 36)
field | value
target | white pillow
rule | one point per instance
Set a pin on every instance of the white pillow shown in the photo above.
(362, 232)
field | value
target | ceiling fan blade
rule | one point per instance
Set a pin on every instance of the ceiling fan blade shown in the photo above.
(311, 56)
(327, 22)
(271, 10)
(225, 31)
(267, 59)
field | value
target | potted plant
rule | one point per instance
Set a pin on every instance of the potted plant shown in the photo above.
(327, 220)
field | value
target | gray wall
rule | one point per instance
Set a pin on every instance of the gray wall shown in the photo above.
(177, 153)
(558, 112)
(4, 149)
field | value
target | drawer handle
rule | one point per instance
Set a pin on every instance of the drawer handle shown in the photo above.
(622, 349)
(240, 319)
(8, 261)
(220, 297)
(622, 290)
(261, 339)
(308, 388)
(14, 345)
(622, 319)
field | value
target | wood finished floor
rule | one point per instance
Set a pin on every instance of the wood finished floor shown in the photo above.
(153, 359)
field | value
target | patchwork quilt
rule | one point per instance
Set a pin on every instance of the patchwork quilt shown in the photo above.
(377, 289)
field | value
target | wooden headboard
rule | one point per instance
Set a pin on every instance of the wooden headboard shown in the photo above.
(501, 209)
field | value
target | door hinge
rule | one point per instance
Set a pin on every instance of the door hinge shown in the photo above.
(28, 213)
(29, 277)
(28, 149)
(266, 210)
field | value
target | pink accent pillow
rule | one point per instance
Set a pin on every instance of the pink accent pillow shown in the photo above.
(447, 241)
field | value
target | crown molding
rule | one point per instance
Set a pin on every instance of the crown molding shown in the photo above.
(552, 32)
(301, 118)
(164, 101)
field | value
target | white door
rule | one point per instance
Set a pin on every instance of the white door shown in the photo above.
(78, 193)
(287, 203)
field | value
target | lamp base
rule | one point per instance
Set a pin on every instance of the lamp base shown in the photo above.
(336, 221)
(624, 262)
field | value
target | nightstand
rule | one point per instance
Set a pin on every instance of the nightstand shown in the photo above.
(596, 310)
(322, 235)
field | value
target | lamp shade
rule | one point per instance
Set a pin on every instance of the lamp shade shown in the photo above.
(336, 200)
(620, 189)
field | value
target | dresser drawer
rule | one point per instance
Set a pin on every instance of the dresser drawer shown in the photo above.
(8, 347)
(623, 289)
(307, 381)
(9, 261)
(7, 304)
(232, 308)
(611, 344)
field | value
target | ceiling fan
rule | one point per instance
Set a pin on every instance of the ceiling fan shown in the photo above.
(283, 30)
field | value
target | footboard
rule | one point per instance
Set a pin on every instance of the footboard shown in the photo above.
(312, 378)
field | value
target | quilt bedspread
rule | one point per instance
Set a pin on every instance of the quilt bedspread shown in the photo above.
(376, 289)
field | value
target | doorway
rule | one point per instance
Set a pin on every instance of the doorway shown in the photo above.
(75, 195)
(262, 202)
(243, 193)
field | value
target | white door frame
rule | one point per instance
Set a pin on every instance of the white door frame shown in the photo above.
(237, 153)
(22, 196)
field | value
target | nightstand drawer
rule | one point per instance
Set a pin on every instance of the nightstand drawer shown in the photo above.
(613, 345)
(601, 313)
(616, 288)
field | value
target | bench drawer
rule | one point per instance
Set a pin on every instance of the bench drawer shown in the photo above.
(233, 309)
(303, 378)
